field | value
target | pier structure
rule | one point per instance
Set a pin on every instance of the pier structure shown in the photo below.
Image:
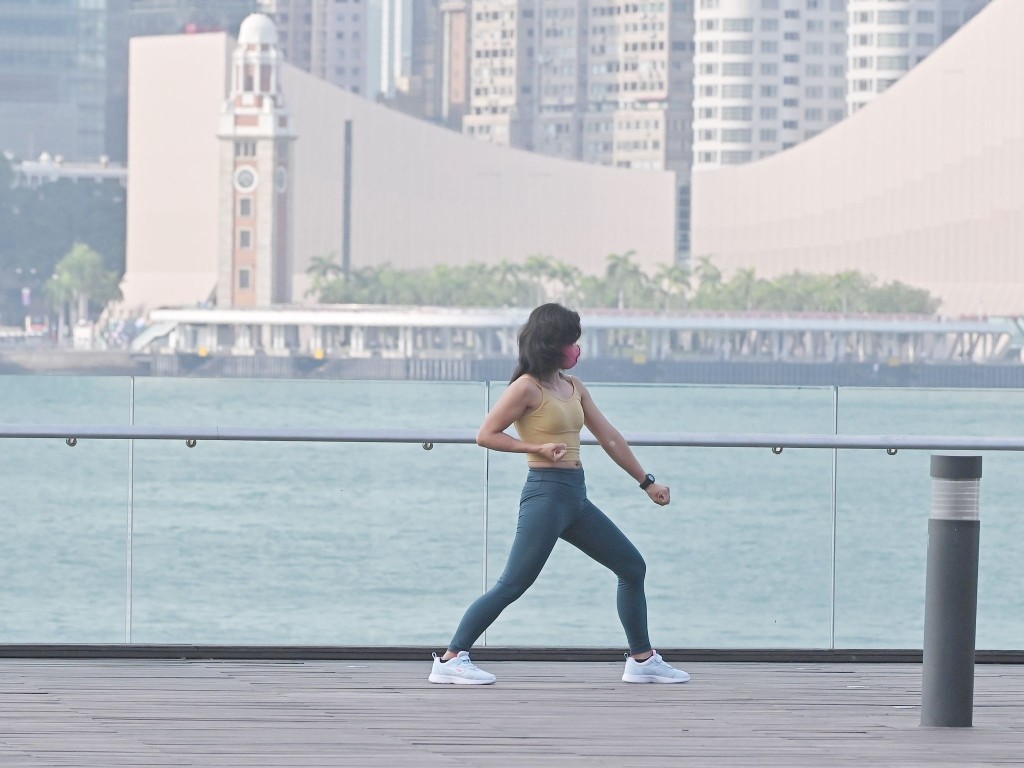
(267, 712)
(363, 331)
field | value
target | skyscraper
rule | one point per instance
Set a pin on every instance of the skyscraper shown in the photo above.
(171, 17)
(768, 75)
(638, 81)
(454, 62)
(590, 80)
(60, 64)
(502, 55)
(888, 38)
(327, 38)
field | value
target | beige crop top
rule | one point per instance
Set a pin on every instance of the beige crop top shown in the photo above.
(554, 421)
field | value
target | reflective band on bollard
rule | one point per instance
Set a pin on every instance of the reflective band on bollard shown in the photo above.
(951, 593)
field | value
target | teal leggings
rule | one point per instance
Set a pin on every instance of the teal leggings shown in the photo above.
(554, 506)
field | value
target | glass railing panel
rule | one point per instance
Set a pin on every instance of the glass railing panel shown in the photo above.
(742, 556)
(63, 517)
(298, 543)
(884, 505)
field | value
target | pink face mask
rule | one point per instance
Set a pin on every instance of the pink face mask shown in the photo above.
(570, 355)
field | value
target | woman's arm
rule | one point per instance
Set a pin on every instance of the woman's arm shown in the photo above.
(615, 445)
(521, 397)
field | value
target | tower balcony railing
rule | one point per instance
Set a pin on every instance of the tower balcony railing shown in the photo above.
(140, 511)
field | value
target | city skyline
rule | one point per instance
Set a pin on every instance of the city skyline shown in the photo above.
(922, 186)
(633, 99)
(641, 85)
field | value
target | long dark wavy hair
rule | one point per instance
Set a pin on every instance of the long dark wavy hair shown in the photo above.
(546, 333)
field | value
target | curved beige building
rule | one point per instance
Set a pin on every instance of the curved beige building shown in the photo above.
(417, 195)
(924, 185)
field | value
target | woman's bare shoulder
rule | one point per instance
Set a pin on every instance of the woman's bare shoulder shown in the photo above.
(526, 388)
(577, 382)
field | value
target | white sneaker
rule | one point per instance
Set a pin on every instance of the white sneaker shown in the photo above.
(459, 670)
(652, 670)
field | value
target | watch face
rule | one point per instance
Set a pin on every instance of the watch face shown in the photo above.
(245, 178)
(281, 178)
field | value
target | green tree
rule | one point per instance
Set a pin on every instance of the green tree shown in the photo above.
(38, 225)
(322, 270)
(564, 279)
(80, 280)
(743, 290)
(672, 283)
(849, 290)
(512, 284)
(624, 284)
(899, 298)
(628, 283)
(539, 270)
(709, 284)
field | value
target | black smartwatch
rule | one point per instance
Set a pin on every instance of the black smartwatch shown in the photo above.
(647, 481)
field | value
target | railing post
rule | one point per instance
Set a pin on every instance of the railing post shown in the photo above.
(951, 592)
(487, 503)
(130, 528)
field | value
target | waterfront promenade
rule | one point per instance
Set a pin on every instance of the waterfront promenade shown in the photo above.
(134, 712)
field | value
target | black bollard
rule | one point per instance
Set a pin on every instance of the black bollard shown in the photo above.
(951, 593)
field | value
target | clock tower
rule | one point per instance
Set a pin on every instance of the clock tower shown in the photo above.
(255, 268)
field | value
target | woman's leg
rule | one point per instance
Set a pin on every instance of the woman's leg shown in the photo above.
(594, 534)
(536, 534)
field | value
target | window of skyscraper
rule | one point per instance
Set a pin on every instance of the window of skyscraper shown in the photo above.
(893, 17)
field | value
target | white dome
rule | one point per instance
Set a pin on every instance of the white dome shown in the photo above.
(257, 29)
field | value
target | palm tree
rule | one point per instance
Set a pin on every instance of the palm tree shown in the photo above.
(627, 279)
(742, 289)
(514, 286)
(673, 283)
(707, 274)
(322, 270)
(709, 284)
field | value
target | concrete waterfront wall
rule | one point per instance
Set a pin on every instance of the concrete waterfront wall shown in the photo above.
(27, 361)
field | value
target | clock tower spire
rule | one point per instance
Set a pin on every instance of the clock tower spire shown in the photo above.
(255, 266)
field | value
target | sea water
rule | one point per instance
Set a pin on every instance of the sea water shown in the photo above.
(386, 544)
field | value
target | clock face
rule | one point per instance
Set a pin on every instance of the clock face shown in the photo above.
(245, 178)
(281, 178)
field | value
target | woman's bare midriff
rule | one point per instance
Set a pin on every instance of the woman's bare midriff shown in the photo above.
(555, 464)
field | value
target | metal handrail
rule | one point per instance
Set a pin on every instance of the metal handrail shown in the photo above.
(191, 435)
(432, 437)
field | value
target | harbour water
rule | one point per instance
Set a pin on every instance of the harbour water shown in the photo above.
(289, 543)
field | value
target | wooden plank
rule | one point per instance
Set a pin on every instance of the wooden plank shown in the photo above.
(328, 713)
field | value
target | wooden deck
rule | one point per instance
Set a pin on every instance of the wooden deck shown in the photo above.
(366, 713)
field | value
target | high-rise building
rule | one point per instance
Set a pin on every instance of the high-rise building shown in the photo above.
(386, 50)
(559, 79)
(391, 51)
(417, 86)
(64, 69)
(157, 17)
(636, 76)
(502, 55)
(394, 30)
(453, 65)
(171, 17)
(638, 80)
(590, 80)
(328, 38)
(61, 64)
(888, 38)
(768, 75)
